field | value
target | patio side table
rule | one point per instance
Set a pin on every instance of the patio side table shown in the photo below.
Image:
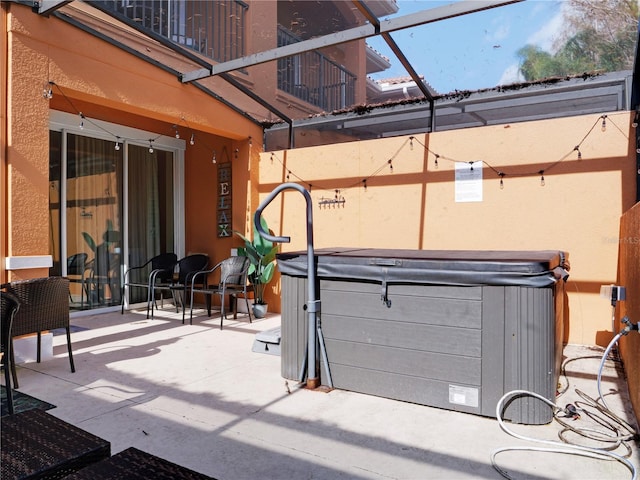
(134, 464)
(36, 445)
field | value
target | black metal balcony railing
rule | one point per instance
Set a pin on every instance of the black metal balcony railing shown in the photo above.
(214, 29)
(313, 78)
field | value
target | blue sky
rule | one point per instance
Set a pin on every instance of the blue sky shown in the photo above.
(473, 51)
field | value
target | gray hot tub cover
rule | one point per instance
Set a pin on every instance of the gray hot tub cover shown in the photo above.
(432, 267)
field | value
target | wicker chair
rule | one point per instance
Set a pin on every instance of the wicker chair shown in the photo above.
(44, 305)
(9, 305)
(180, 286)
(233, 281)
(159, 268)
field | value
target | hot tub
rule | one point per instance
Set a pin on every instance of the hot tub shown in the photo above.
(448, 329)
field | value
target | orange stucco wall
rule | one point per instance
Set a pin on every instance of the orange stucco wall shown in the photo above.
(413, 205)
(106, 83)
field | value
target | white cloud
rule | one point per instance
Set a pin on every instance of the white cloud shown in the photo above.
(511, 75)
(546, 36)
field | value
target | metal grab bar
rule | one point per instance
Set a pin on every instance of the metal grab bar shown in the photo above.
(313, 303)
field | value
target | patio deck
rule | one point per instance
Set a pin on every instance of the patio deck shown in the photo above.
(199, 397)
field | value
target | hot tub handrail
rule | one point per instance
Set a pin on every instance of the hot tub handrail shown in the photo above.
(313, 304)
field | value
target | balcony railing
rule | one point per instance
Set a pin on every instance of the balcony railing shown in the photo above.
(214, 29)
(313, 78)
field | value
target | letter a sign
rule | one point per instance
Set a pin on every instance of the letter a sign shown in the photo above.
(224, 200)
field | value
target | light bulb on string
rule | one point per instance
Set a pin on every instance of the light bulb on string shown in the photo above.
(501, 174)
(541, 172)
(436, 161)
(364, 183)
(271, 158)
(150, 146)
(410, 143)
(471, 166)
(636, 118)
(177, 132)
(117, 144)
(48, 91)
(604, 123)
(81, 121)
(638, 145)
(213, 159)
(288, 175)
(192, 141)
(390, 165)
(577, 149)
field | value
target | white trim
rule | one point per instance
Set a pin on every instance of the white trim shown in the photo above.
(29, 261)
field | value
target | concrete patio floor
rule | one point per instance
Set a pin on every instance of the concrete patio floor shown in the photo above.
(198, 396)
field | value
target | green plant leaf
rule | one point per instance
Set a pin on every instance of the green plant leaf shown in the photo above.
(89, 239)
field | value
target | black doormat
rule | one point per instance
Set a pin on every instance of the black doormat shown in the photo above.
(22, 402)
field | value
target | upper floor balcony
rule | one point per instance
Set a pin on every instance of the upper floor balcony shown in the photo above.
(218, 31)
(314, 78)
(214, 29)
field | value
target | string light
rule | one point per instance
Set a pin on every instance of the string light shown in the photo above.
(604, 123)
(636, 118)
(436, 162)
(271, 158)
(638, 145)
(390, 165)
(288, 175)
(48, 91)
(213, 160)
(364, 183)
(577, 149)
(501, 175)
(541, 172)
(118, 141)
(411, 143)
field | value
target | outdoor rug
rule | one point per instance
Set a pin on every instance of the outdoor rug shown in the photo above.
(22, 402)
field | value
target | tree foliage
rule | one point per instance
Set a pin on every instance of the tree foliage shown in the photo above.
(598, 36)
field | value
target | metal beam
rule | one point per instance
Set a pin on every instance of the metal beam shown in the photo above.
(357, 33)
(46, 7)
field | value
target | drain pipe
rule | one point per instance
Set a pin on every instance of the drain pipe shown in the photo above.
(313, 304)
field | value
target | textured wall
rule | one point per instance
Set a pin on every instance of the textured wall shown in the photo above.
(414, 204)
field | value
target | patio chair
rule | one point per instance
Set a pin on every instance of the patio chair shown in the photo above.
(77, 268)
(233, 281)
(104, 277)
(180, 285)
(44, 305)
(159, 268)
(9, 305)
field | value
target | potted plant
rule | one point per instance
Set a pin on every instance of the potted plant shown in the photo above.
(262, 254)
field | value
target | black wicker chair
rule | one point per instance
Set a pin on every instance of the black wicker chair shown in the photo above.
(180, 285)
(9, 305)
(78, 271)
(158, 269)
(233, 281)
(44, 305)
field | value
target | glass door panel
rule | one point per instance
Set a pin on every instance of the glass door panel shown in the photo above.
(150, 209)
(93, 221)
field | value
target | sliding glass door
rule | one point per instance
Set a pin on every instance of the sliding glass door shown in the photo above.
(112, 206)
